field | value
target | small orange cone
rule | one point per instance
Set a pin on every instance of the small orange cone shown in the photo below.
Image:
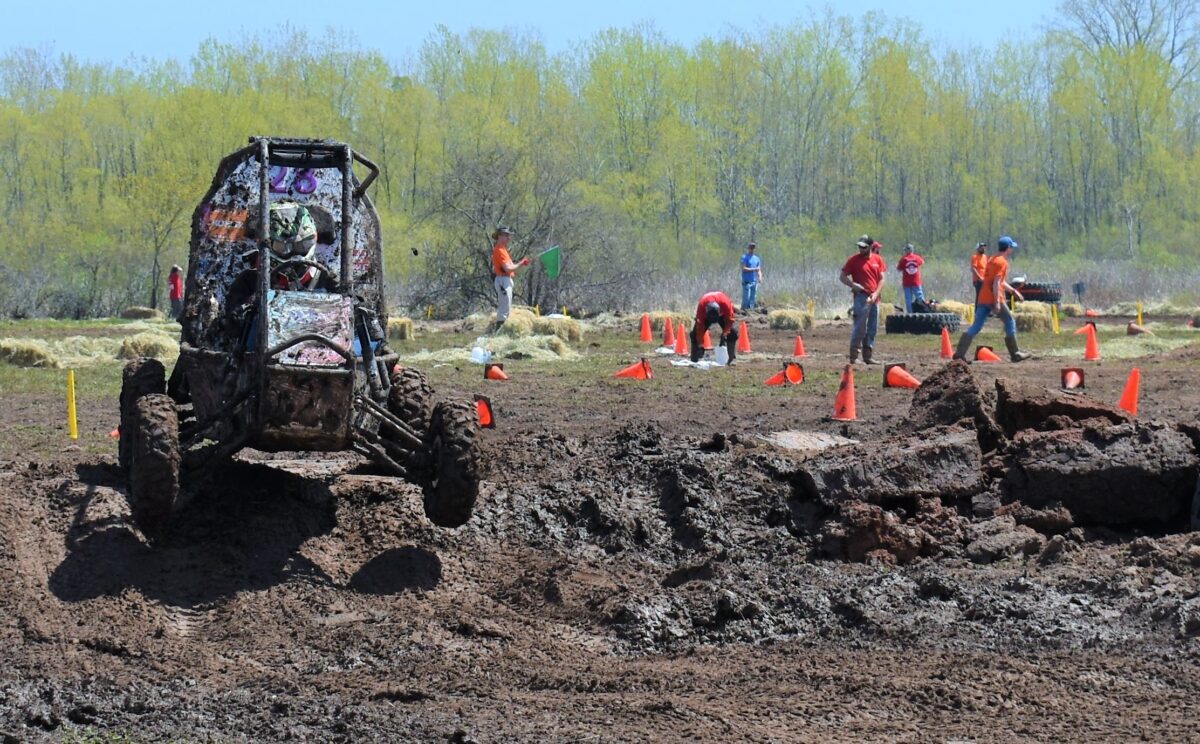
(743, 346)
(483, 408)
(668, 332)
(947, 349)
(708, 344)
(647, 337)
(115, 433)
(843, 405)
(639, 370)
(681, 341)
(793, 372)
(1090, 313)
(776, 379)
(1091, 352)
(1072, 378)
(898, 376)
(799, 350)
(985, 354)
(1129, 398)
(494, 372)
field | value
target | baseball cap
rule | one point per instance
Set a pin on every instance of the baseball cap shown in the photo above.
(865, 241)
(1007, 242)
(751, 244)
(909, 247)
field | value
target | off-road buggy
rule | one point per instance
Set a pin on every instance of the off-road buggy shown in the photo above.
(283, 346)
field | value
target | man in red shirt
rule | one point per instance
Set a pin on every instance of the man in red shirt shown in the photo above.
(910, 276)
(175, 291)
(714, 308)
(991, 300)
(864, 273)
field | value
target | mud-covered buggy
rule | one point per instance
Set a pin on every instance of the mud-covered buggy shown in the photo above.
(284, 346)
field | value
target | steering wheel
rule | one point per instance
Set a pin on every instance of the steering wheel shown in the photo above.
(297, 261)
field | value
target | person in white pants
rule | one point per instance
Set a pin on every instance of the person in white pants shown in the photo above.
(505, 269)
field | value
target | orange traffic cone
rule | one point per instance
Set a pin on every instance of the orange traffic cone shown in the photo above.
(947, 349)
(985, 354)
(639, 370)
(647, 338)
(668, 333)
(681, 341)
(115, 433)
(793, 372)
(898, 376)
(494, 372)
(799, 350)
(1133, 329)
(1129, 398)
(1090, 313)
(1091, 352)
(776, 379)
(483, 408)
(843, 405)
(743, 346)
(1072, 378)
(708, 344)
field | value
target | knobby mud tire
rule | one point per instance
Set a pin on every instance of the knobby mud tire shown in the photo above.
(1041, 291)
(454, 459)
(411, 401)
(141, 377)
(921, 323)
(154, 463)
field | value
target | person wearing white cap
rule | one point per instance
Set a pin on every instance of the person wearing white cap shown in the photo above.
(864, 273)
(504, 269)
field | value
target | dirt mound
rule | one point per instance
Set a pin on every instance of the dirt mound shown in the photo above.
(950, 396)
(1021, 406)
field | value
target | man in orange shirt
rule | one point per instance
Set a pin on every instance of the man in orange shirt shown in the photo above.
(505, 270)
(979, 264)
(991, 300)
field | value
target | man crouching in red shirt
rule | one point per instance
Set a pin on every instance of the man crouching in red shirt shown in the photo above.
(863, 273)
(714, 307)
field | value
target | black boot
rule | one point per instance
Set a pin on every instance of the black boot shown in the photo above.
(867, 353)
(964, 345)
(1015, 354)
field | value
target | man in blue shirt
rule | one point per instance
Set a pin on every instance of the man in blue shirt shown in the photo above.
(751, 276)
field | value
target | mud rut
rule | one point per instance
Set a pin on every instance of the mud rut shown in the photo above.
(635, 581)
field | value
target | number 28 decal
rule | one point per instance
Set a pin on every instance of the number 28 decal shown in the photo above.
(303, 181)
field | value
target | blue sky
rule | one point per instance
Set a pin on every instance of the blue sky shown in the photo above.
(105, 30)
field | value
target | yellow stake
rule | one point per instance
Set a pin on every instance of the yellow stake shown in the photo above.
(1139, 307)
(812, 304)
(537, 310)
(1012, 303)
(72, 421)
(1054, 318)
(565, 311)
(429, 312)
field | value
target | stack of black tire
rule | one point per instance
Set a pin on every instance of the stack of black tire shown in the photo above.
(921, 322)
(1041, 291)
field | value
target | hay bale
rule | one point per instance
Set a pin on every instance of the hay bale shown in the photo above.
(26, 352)
(567, 329)
(141, 313)
(1033, 322)
(1042, 308)
(961, 309)
(658, 317)
(519, 323)
(401, 329)
(1071, 310)
(790, 319)
(157, 345)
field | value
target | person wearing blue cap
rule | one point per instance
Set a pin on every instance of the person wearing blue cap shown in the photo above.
(991, 300)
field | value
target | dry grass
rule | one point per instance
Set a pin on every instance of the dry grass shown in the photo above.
(539, 348)
(148, 344)
(1033, 322)
(401, 329)
(568, 329)
(519, 323)
(1071, 310)
(24, 352)
(1040, 308)
(141, 313)
(658, 316)
(1150, 309)
(791, 319)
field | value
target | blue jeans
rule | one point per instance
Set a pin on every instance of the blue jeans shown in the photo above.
(749, 295)
(866, 322)
(981, 314)
(910, 294)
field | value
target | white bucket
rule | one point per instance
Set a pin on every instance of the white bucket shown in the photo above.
(722, 356)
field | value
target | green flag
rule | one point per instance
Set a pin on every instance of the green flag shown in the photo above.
(552, 261)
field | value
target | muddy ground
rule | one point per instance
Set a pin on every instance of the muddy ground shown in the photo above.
(642, 565)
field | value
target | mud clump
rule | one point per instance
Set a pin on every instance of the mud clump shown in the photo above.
(1131, 474)
(950, 396)
(864, 532)
(1021, 407)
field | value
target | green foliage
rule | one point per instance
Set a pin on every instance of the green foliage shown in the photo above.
(642, 158)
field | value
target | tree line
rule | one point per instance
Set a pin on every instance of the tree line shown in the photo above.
(638, 155)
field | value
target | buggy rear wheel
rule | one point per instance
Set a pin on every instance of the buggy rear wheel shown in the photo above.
(454, 464)
(154, 463)
(411, 401)
(141, 377)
